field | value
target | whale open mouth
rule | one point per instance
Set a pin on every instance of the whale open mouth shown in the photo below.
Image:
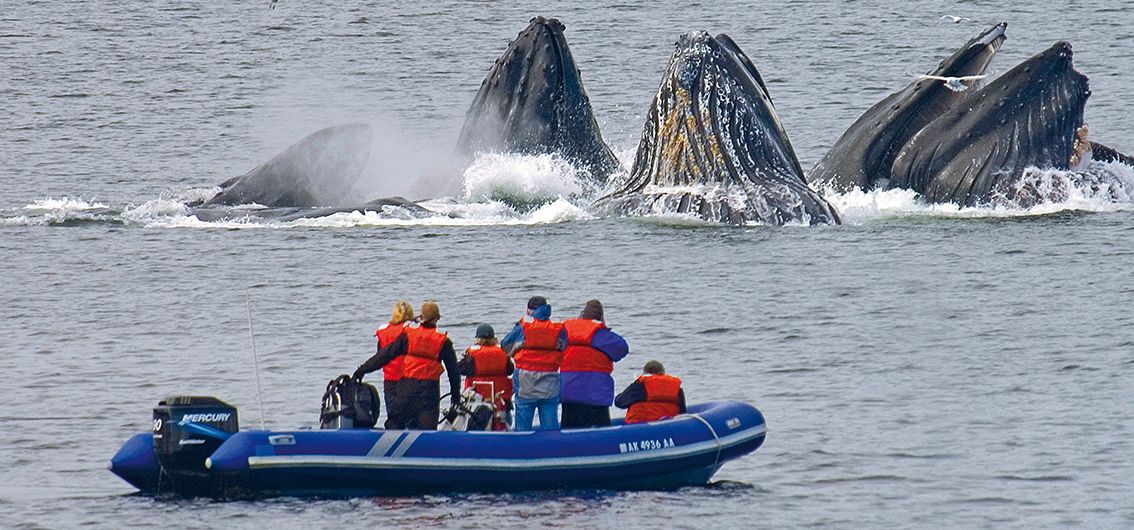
(712, 121)
(863, 156)
(713, 146)
(1032, 116)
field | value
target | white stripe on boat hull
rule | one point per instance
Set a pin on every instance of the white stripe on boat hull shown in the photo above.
(529, 464)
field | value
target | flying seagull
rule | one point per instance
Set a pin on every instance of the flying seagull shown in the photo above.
(954, 83)
(955, 19)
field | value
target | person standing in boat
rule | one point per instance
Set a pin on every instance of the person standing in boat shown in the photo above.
(402, 316)
(587, 389)
(488, 371)
(653, 396)
(536, 344)
(427, 353)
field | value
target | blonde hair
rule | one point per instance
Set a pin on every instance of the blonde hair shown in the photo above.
(403, 312)
(486, 341)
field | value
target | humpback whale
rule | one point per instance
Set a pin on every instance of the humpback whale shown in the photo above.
(1032, 116)
(1103, 153)
(713, 146)
(315, 177)
(319, 170)
(862, 157)
(533, 102)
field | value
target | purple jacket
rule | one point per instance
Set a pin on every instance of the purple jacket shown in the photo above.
(594, 388)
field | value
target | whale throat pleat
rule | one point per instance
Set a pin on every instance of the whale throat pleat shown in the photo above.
(712, 146)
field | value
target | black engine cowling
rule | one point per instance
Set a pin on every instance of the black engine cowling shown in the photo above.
(187, 429)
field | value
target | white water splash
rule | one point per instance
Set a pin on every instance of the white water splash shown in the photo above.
(193, 195)
(619, 178)
(51, 211)
(191, 221)
(551, 186)
(857, 206)
(75, 205)
(1104, 187)
(524, 179)
(451, 213)
(559, 211)
(156, 208)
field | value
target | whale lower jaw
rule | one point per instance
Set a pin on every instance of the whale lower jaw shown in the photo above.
(752, 204)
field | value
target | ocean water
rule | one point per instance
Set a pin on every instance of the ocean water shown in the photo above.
(919, 366)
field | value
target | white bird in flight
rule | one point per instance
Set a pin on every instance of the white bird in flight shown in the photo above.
(955, 19)
(954, 83)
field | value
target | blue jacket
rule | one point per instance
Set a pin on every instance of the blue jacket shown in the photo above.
(594, 388)
(514, 340)
(525, 383)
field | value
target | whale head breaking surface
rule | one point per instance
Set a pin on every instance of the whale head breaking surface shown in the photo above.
(1032, 116)
(532, 102)
(322, 169)
(863, 155)
(713, 146)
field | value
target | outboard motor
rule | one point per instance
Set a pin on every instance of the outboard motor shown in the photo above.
(187, 429)
(349, 403)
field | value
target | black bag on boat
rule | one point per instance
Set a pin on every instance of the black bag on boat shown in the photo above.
(481, 418)
(349, 404)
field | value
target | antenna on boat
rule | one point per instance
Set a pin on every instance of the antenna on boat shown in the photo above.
(255, 360)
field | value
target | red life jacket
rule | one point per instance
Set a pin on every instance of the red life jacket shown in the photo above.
(538, 353)
(662, 398)
(423, 353)
(491, 364)
(579, 355)
(386, 334)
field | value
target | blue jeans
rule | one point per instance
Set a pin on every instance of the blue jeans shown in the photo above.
(548, 413)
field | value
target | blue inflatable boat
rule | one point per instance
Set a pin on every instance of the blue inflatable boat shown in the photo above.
(190, 452)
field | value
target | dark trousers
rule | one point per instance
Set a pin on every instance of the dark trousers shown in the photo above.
(580, 416)
(414, 405)
(389, 390)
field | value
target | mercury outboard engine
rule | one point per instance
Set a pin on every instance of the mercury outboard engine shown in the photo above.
(187, 429)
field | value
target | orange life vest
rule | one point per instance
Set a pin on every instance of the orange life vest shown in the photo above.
(538, 353)
(423, 353)
(662, 398)
(491, 365)
(579, 355)
(386, 334)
